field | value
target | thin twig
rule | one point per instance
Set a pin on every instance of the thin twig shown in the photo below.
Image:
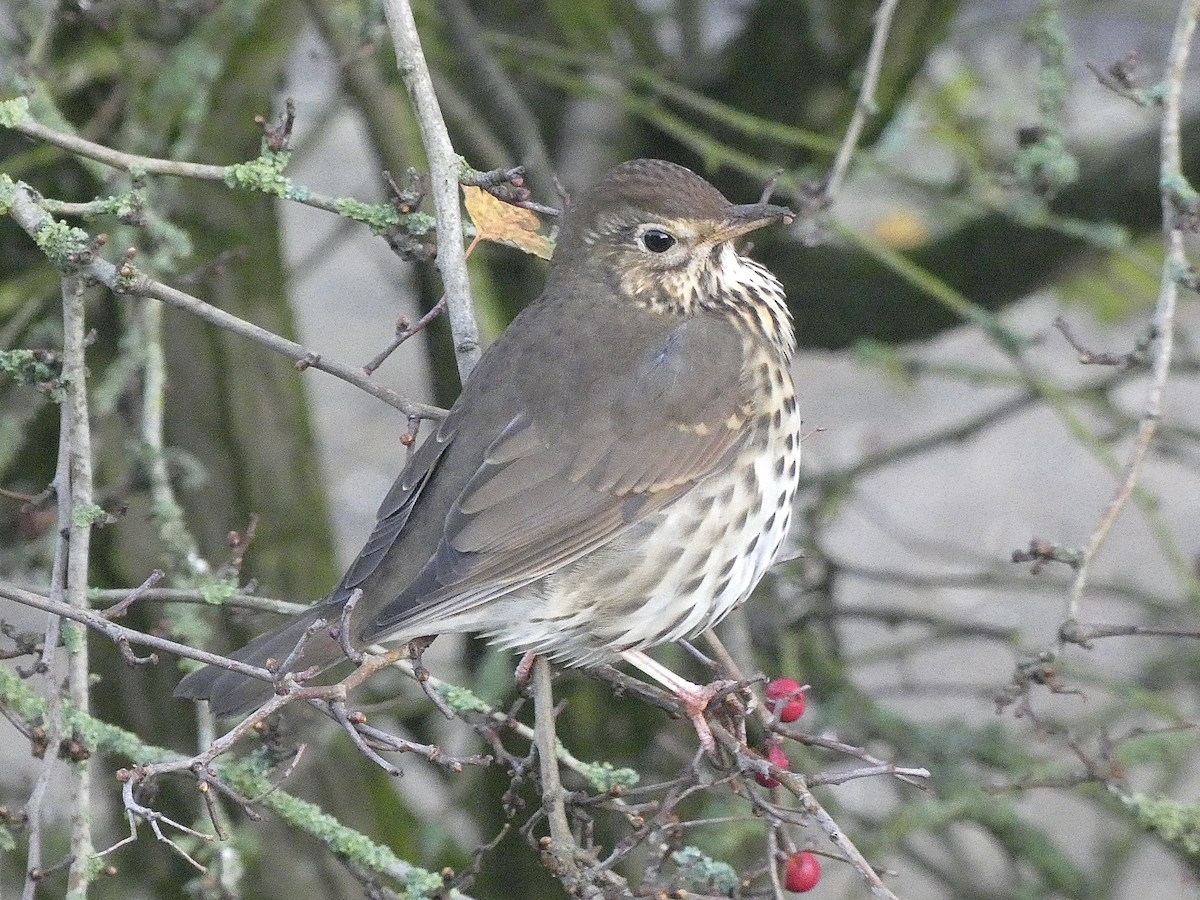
(865, 106)
(128, 280)
(119, 609)
(1088, 357)
(168, 512)
(444, 168)
(797, 785)
(562, 841)
(1083, 633)
(77, 433)
(115, 632)
(53, 717)
(116, 158)
(1174, 263)
(405, 330)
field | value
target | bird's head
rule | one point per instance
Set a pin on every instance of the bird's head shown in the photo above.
(661, 237)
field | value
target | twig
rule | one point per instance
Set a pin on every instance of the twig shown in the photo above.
(181, 595)
(1083, 633)
(510, 113)
(797, 785)
(405, 330)
(343, 628)
(168, 513)
(116, 633)
(76, 432)
(444, 168)
(1174, 264)
(1040, 552)
(337, 709)
(562, 841)
(53, 717)
(116, 158)
(128, 280)
(238, 175)
(431, 752)
(119, 609)
(493, 178)
(866, 102)
(1119, 79)
(1087, 357)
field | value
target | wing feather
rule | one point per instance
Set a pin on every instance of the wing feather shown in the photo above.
(554, 488)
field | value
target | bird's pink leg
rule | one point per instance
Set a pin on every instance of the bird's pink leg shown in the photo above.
(524, 667)
(694, 697)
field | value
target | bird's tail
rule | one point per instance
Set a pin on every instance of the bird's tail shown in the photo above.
(229, 693)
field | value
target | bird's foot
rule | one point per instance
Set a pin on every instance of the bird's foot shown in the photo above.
(695, 699)
(525, 668)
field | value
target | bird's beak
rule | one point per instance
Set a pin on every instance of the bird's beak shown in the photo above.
(743, 219)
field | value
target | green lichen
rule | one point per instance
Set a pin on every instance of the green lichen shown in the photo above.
(265, 174)
(13, 112)
(1176, 823)
(72, 636)
(32, 367)
(1156, 94)
(460, 699)
(1044, 164)
(419, 223)
(84, 515)
(95, 735)
(8, 193)
(249, 778)
(377, 216)
(604, 776)
(703, 874)
(8, 843)
(216, 591)
(1182, 194)
(62, 243)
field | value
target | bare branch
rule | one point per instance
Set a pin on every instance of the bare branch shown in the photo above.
(77, 434)
(444, 168)
(128, 280)
(865, 106)
(562, 841)
(115, 632)
(1174, 265)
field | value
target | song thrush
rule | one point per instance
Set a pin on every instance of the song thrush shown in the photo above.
(620, 468)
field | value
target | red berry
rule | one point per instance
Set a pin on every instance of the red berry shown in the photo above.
(776, 757)
(789, 690)
(802, 873)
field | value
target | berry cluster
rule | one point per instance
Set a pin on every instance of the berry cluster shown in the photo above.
(785, 699)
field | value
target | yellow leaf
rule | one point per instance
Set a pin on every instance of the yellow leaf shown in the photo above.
(503, 223)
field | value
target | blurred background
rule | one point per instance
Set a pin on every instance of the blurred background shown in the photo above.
(999, 185)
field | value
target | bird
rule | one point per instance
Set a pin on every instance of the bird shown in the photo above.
(618, 471)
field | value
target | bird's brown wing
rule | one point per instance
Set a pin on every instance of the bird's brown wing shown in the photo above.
(397, 507)
(568, 475)
(229, 692)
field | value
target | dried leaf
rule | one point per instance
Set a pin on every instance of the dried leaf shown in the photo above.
(503, 223)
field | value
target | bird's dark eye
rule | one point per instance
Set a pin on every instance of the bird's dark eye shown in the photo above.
(657, 241)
